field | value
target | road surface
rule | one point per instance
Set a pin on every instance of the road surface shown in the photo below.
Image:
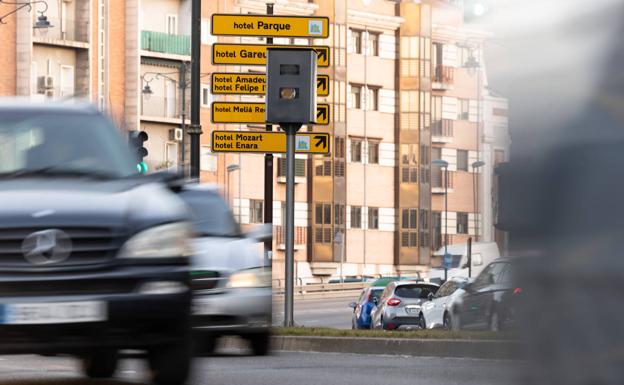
(280, 368)
(330, 312)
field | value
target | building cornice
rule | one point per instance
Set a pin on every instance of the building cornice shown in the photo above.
(447, 33)
(280, 7)
(374, 20)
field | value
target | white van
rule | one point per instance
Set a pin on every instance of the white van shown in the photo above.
(482, 254)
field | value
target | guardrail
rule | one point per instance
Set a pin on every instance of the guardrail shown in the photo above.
(317, 288)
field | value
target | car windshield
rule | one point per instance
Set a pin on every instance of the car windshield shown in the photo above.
(61, 144)
(414, 291)
(211, 215)
(376, 293)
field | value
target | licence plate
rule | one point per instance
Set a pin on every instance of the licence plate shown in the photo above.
(53, 312)
(412, 310)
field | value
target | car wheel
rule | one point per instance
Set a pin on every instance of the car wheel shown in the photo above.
(422, 322)
(170, 364)
(494, 322)
(260, 343)
(456, 322)
(100, 364)
(447, 321)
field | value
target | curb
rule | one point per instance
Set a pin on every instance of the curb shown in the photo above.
(480, 349)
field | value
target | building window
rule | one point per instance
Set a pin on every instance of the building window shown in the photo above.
(373, 152)
(424, 228)
(339, 214)
(373, 218)
(372, 101)
(206, 96)
(300, 167)
(356, 150)
(256, 210)
(463, 111)
(373, 40)
(323, 167)
(409, 163)
(436, 221)
(339, 147)
(355, 97)
(356, 217)
(322, 220)
(172, 24)
(339, 168)
(462, 223)
(356, 41)
(462, 160)
(409, 219)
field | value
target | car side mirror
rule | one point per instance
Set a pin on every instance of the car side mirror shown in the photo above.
(430, 296)
(468, 287)
(376, 301)
(353, 305)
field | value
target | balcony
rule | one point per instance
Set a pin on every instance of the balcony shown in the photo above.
(166, 43)
(442, 131)
(301, 236)
(65, 32)
(438, 181)
(443, 78)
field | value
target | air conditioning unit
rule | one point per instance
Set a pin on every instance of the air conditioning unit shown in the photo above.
(175, 134)
(45, 83)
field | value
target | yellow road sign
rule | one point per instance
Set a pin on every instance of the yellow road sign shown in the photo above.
(253, 84)
(250, 113)
(255, 54)
(268, 142)
(265, 25)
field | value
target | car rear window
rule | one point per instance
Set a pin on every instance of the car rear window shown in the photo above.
(414, 291)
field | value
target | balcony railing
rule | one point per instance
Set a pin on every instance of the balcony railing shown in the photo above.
(166, 43)
(64, 29)
(442, 128)
(443, 74)
(301, 235)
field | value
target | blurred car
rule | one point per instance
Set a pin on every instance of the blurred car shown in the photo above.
(369, 296)
(93, 256)
(399, 305)
(489, 301)
(231, 287)
(437, 311)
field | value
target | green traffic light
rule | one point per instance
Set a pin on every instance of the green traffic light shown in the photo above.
(142, 167)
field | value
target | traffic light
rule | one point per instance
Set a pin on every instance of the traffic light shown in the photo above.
(137, 140)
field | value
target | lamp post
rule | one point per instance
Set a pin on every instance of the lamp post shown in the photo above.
(444, 164)
(475, 193)
(42, 20)
(231, 168)
(147, 92)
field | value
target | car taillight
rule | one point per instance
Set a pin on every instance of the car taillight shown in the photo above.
(517, 290)
(394, 302)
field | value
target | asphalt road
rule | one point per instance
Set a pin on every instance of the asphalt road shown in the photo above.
(330, 312)
(280, 368)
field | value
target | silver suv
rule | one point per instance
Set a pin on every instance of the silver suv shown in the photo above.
(399, 305)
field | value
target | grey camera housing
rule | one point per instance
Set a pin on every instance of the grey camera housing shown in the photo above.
(291, 68)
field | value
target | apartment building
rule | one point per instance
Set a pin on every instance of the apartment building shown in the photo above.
(408, 86)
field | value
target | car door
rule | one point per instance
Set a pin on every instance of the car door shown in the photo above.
(482, 297)
(441, 300)
(377, 309)
(469, 306)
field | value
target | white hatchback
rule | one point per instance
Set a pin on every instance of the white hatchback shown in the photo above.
(437, 311)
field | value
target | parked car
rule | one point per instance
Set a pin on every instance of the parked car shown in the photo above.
(482, 254)
(231, 287)
(489, 302)
(437, 311)
(361, 317)
(399, 305)
(93, 255)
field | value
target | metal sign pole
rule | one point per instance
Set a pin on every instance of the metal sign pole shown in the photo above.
(291, 131)
(268, 182)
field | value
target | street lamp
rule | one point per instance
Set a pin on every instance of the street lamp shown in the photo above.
(475, 186)
(147, 92)
(42, 20)
(444, 164)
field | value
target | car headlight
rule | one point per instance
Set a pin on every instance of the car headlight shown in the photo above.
(250, 278)
(162, 241)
